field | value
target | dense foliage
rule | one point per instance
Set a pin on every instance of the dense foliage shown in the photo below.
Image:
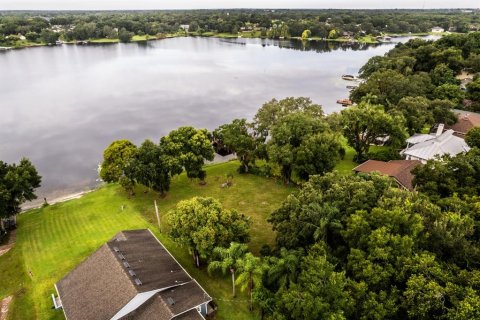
(17, 185)
(153, 165)
(358, 248)
(265, 23)
(426, 69)
(203, 224)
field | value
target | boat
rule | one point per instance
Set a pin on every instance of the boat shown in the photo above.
(345, 102)
(349, 77)
(352, 87)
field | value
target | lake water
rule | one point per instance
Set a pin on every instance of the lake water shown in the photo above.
(61, 106)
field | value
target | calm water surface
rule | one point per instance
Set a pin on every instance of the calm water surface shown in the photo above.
(61, 106)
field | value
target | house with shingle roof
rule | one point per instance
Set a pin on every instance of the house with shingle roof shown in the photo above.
(131, 277)
(466, 121)
(399, 170)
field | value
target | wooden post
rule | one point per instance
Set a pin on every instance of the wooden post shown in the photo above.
(158, 216)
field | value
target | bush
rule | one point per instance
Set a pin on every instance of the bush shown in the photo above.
(384, 154)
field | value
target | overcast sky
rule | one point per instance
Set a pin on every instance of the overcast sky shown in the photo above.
(207, 4)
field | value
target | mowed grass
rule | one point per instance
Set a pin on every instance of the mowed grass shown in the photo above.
(51, 241)
(346, 165)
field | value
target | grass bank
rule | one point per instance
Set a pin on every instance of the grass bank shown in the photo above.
(51, 241)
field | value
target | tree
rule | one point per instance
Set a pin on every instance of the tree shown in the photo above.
(228, 259)
(284, 269)
(318, 154)
(473, 90)
(116, 158)
(390, 86)
(450, 92)
(333, 34)
(203, 224)
(191, 147)
(319, 293)
(441, 111)
(322, 205)
(415, 111)
(441, 179)
(442, 74)
(238, 137)
(302, 143)
(306, 34)
(251, 270)
(124, 35)
(271, 112)
(49, 36)
(151, 167)
(17, 185)
(31, 36)
(365, 123)
(473, 137)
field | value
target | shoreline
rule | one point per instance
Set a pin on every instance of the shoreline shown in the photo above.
(367, 39)
(38, 203)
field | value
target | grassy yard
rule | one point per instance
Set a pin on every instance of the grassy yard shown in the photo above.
(53, 240)
(346, 165)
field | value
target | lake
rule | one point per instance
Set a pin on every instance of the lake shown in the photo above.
(61, 106)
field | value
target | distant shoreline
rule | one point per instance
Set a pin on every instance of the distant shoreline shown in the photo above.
(368, 39)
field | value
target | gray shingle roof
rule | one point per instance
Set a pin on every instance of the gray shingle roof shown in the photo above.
(104, 286)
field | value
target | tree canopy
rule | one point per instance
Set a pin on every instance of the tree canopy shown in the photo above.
(304, 145)
(365, 123)
(17, 185)
(191, 147)
(203, 224)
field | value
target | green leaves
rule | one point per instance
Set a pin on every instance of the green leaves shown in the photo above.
(364, 123)
(304, 145)
(203, 224)
(115, 159)
(191, 147)
(238, 137)
(17, 185)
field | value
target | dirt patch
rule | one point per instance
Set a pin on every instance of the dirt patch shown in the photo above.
(12, 236)
(4, 307)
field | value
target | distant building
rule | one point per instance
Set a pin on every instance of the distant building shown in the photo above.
(427, 146)
(185, 27)
(400, 170)
(438, 30)
(131, 277)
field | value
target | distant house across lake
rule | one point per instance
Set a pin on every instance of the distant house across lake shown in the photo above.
(131, 277)
(438, 30)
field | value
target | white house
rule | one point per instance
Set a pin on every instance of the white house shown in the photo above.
(426, 147)
(438, 30)
(185, 27)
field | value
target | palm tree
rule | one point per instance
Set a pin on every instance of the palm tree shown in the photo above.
(227, 260)
(284, 269)
(251, 271)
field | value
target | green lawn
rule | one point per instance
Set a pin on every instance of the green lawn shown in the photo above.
(346, 165)
(53, 240)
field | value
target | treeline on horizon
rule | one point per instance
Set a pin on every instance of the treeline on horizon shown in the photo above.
(83, 25)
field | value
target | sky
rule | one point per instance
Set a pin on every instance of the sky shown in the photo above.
(215, 4)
